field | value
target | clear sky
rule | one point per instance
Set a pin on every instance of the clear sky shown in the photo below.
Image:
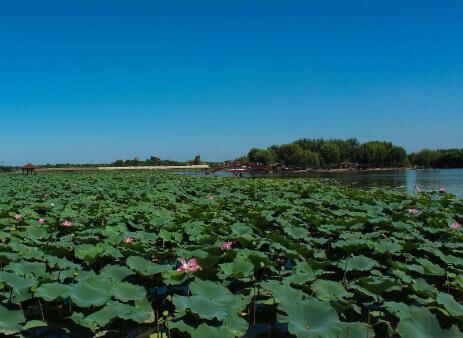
(96, 81)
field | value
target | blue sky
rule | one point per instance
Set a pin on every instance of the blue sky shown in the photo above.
(95, 81)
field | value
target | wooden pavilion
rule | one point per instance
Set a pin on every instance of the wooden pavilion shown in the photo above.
(28, 169)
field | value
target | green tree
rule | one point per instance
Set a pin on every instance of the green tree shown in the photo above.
(329, 153)
(426, 157)
(311, 159)
(242, 159)
(291, 154)
(262, 156)
(372, 154)
(396, 156)
(197, 160)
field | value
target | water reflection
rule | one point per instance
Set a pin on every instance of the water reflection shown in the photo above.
(430, 179)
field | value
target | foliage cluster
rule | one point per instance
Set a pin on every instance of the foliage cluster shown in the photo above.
(309, 259)
(316, 153)
(441, 158)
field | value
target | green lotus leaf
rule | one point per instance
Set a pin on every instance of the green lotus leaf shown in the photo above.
(238, 268)
(109, 312)
(52, 291)
(380, 284)
(243, 231)
(423, 324)
(170, 236)
(17, 283)
(142, 312)
(210, 289)
(356, 329)
(172, 277)
(28, 269)
(87, 252)
(89, 292)
(110, 251)
(79, 318)
(311, 319)
(181, 326)
(281, 292)
(329, 290)
(145, 267)
(210, 300)
(236, 325)
(205, 330)
(32, 324)
(127, 292)
(303, 273)
(204, 307)
(400, 310)
(11, 321)
(359, 263)
(34, 232)
(422, 287)
(387, 247)
(160, 217)
(115, 272)
(62, 264)
(403, 276)
(430, 267)
(454, 308)
(300, 278)
(351, 245)
(296, 232)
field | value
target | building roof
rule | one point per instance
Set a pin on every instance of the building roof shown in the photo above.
(29, 166)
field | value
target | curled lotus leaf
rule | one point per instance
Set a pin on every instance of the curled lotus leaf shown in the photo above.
(423, 324)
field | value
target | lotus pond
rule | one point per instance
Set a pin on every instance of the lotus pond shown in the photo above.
(146, 254)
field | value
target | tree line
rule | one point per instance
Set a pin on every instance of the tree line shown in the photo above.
(335, 153)
(440, 158)
(154, 161)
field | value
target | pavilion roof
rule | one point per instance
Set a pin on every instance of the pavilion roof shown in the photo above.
(29, 166)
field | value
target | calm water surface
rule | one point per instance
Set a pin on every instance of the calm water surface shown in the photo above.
(427, 179)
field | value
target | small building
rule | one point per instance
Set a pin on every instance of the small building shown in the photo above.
(28, 169)
(349, 165)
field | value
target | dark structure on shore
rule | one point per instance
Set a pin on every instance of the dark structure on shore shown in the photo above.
(251, 167)
(28, 169)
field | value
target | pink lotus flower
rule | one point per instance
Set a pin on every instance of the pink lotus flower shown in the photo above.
(226, 245)
(413, 211)
(66, 223)
(455, 226)
(190, 266)
(210, 197)
(128, 240)
(18, 217)
(442, 190)
(41, 220)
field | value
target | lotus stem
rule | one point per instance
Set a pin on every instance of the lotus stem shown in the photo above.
(448, 284)
(368, 325)
(157, 322)
(41, 310)
(254, 304)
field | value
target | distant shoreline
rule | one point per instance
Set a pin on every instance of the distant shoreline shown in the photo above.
(156, 167)
(342, 170)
